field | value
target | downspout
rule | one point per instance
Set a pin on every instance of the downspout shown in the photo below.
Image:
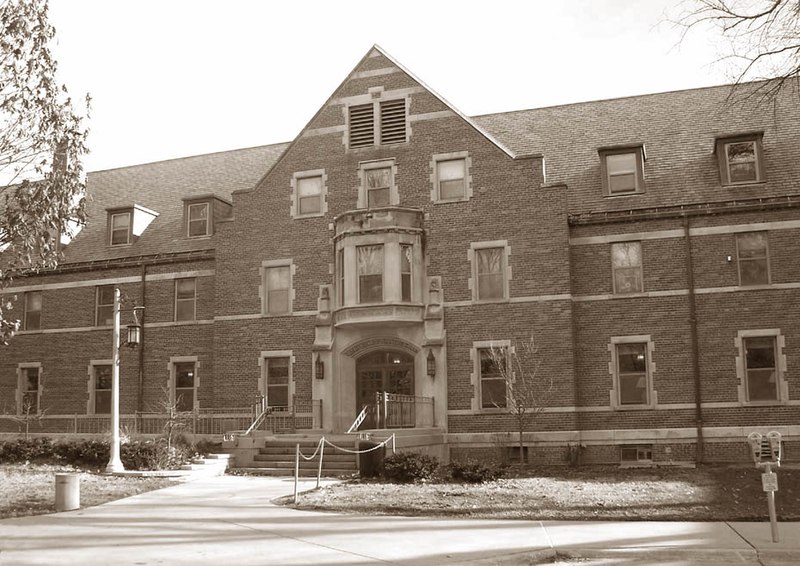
(140, 389)
(698, 405)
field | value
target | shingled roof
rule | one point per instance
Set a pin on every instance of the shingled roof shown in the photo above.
(161, 187)
(678, 130)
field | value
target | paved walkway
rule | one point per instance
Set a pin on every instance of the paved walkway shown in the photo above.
(230, 520)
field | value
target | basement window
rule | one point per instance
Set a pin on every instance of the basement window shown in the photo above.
(637, 454)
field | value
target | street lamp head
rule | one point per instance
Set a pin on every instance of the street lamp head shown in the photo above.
(135, 329)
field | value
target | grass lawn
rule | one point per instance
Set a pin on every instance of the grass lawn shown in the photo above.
(30, 489)
(706, 493)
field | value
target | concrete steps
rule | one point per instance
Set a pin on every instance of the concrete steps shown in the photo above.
(211, 465)
(277, 458)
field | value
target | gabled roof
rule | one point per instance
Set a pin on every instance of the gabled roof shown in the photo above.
(161, 187)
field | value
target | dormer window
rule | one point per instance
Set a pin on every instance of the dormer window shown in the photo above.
(200, 213)
(740, 159)
(120, 228)
(622, 170)
(125, 225)
(198, 220)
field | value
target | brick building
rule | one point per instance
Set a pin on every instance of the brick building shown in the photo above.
(367, 269)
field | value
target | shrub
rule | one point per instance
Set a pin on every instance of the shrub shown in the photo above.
(408, 467)
(136, 455)
(26, 450)
(155, 454)
(471, 471)
(90, 453)
(205, 447)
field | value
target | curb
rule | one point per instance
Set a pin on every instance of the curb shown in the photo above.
(656, 555)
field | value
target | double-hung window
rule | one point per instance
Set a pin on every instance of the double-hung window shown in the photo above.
(450, 177)
(378, 186)
(632, 372)
(493, 394)
(626, 262)
(761, 368)
(622, 170)
(184, 385)
(309, 192)
(32, 318)
(309, 195)
(185, 299)
(406, 262)
(490, 271)
(276, 374)
(104, 305)
(277, 287)
(30, 389)
(120, 228)
(101, 383)
(741, 159)
(198, 219)
(370, 273)
(753, 257)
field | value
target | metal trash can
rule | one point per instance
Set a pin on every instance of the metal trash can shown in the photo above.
(68, 492)
(370, 464)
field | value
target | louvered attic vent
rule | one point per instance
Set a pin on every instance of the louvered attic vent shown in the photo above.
(393, 121)
(362, 133)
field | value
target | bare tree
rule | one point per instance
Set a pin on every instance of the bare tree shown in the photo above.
(42, 142)
(29, 411)
(528, 391)
(761, 38)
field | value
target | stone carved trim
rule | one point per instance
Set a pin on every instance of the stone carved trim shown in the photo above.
(380, 343)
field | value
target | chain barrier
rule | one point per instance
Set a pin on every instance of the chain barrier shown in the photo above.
(380, 445)
(314, 455)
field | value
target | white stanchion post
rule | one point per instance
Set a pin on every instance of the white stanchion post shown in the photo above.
(296, 470)
(321, 454)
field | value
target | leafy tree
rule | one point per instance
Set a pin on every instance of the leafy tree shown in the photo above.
(42, 141)
(528, 391)
(761, 38)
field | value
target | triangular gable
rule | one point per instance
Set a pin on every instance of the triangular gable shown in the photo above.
(374, 51)
(450, 107)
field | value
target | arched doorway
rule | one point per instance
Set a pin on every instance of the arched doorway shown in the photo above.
(382, 371)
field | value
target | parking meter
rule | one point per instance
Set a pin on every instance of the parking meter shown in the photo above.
(754, 440)
(766, 452)
(774, 442)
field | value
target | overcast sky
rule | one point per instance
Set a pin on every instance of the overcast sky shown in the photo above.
(171, 78)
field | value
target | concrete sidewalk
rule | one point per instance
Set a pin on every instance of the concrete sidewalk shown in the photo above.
(231, 520)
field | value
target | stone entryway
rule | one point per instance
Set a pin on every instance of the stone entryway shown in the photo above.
(384, 371)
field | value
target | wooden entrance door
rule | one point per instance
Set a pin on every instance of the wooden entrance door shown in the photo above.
(385, 372)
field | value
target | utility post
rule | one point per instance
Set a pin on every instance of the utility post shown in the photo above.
(766, 454)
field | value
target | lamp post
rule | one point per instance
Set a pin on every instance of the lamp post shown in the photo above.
(134, 337)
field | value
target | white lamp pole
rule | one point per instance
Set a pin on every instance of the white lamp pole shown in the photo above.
(114, 461)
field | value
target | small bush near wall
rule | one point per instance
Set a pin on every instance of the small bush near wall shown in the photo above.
(410, 467)
(472, 471)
